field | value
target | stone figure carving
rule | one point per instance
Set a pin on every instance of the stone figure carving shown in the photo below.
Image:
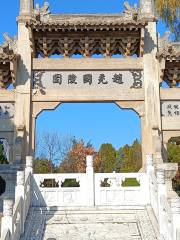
(43, 12)
(130, 12)
(10, 44)
(163, 41)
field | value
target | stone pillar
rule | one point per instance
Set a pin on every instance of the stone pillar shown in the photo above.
(29, 164)
(26, 6)
(161, 192)
(19, 190)
(20, 193)
(24, 75)
(90, 181)
(175, 208)
(6, 221)
(144, 143)
(149, 161)
(151, 78)
(33, 140)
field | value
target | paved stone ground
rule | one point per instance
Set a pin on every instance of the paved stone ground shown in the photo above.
(92, 224)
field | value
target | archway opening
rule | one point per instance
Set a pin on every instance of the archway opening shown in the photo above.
(73, 130)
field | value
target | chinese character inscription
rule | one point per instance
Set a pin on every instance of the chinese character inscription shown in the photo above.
(110, 79)
(170, 109)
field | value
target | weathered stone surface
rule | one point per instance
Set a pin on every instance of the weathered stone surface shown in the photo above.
(89, 224)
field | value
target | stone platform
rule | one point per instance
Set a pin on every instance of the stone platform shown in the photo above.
(89, 224)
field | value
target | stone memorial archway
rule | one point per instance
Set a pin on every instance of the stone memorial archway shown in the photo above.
(131, 81)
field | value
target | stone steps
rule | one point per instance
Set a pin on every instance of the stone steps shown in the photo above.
(89, 224)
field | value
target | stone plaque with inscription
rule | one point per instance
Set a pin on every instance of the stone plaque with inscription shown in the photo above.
(88, 79)
(170, 108)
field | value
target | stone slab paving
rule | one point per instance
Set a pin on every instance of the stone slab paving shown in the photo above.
(90, 224)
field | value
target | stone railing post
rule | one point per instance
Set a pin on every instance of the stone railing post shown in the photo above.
(19, 192)
(175, 209)
(149, 163)
(29, 164)
(90, 181)
(7, 219)
(161, 192)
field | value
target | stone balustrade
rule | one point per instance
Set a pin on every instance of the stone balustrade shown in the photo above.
(15, 212)
(95, 189)
(163, 200)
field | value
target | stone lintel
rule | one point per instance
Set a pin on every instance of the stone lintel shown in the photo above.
(87, 96)
(7, 96)
(170, 123)
(88, 64)
(170, 93)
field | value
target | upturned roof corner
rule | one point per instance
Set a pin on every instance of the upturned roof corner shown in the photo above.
(8, 61)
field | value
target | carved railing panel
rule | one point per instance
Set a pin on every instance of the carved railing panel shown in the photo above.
(113, 192)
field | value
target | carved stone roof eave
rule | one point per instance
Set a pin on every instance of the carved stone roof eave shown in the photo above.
(169, 52)
(7, 58)
(86, 22)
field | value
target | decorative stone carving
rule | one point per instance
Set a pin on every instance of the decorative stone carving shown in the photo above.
(88, 46)
(42, 12)
(160, 174)
(8, 207)
(84, 34)
(29, 164)
(172, 76)
(175, 205)
(163, 41)
(6, 111)
(88, 79)
(10, 43)
(170, 53)
(20, 178)
(8, 54)
(114, 182)
(131, 12)
(149, 159)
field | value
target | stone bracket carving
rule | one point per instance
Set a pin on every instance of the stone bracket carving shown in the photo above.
(137, 106)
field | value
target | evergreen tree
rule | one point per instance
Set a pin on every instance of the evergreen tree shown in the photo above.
(43, 166)
(107, 155)
(132, 157)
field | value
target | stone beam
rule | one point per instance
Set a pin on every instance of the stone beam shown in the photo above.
(87, 64)
(170, 123)
(170, 93)
(7, 96)
(89, 96)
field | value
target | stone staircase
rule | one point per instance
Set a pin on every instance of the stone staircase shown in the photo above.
(96, 223)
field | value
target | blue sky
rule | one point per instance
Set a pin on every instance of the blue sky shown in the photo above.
(97, 122)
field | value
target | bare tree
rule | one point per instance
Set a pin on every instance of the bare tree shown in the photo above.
(53, 146)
